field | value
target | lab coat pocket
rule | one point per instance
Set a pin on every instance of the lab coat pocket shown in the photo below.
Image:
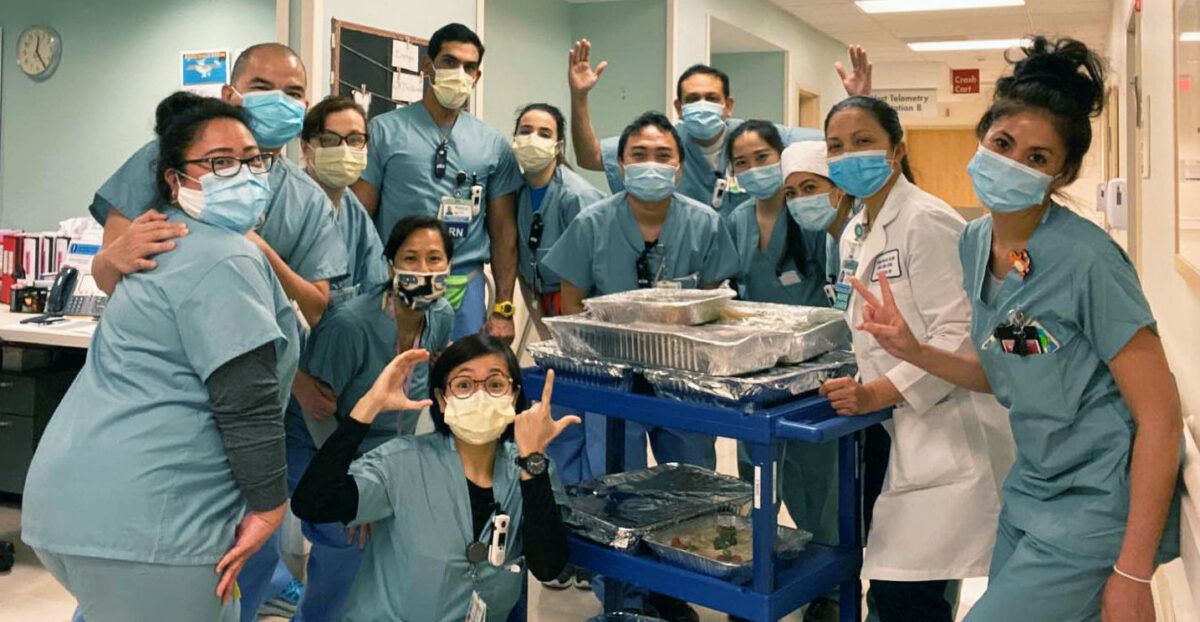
(930, 449)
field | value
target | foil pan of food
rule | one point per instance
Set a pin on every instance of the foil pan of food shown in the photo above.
(814, 330)
(720, 545)
(757, 390)
(661, 305)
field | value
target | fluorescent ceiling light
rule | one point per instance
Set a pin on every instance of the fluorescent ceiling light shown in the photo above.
(1189, 37)
(967, 45)
(912, 6)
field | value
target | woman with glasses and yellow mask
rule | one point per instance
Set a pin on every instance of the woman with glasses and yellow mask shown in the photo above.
(458, 515)
(345, 354)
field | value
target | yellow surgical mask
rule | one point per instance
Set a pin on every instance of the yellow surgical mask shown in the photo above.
(452, 87)
(338, 167)
(534, 153)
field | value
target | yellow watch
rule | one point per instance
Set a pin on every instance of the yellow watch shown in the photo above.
(505, 309)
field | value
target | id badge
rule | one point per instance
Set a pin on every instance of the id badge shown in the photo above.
(841, 296)
(789, 278)
(456, 214)
(477, 611)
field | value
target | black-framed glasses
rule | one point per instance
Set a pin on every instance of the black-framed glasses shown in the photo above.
(229, 166)
(439, 159)
(353, 140)
(496, 385)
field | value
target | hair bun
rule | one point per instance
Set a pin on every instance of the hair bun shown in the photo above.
(1062, 75)
(170, 108)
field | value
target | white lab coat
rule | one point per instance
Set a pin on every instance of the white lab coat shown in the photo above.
(951, 449)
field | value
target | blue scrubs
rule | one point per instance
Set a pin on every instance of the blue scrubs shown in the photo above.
(413, 491)
(131, 467)
(761, 278)
(699, 177)
(367, 267)
(400, 164)
(348, 350)
(1066, 500)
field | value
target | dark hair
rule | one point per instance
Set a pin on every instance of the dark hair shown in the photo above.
(314, 120)
(707, 70)
(243, 59)
(794, 249)
(885, 115)
(410, 224)
(1062, 78)
(453, 32)
(560, 124)
(648, 119)
(467, 349)
(178, 120)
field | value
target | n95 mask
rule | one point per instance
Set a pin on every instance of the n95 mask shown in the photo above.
(479, 419)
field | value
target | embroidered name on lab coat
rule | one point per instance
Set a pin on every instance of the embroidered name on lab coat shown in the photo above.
(887, 262)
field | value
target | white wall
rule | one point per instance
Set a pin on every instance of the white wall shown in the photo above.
(811, 52)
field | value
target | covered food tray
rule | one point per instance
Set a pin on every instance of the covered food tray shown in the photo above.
(618, 509)
(661, 305)
(547, 355)
(814, 330)
(760, 389)
(698, 531)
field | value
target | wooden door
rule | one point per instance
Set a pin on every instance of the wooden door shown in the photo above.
(939, 158)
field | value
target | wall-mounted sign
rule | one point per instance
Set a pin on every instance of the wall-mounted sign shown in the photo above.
(912, 102)
(964, 81)
(204, 72)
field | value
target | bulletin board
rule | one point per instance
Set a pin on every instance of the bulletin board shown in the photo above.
(383, 63)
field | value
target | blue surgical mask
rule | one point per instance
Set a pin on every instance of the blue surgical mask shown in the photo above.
(1005, 185)
(234, 203)
(703, 119)
(650, 181)
(813, 213)
(762, 182)
(861, 173)
(275, 118)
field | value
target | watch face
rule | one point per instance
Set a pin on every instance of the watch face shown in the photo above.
(535, 464)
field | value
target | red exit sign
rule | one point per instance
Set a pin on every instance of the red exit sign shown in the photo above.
(964, 80)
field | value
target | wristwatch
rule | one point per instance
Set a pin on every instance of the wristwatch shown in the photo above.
(534, 464)
(505, 309)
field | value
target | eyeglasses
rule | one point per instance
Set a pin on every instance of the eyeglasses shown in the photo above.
(228, 166)
(354, 140)
(439, 159)
(496, 385)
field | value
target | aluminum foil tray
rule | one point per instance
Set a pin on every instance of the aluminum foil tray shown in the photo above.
(618, 509)
(788, 544)
(814, 330)
(661, 305)
(760, 390)
(547, 355)
(624, 616)
(713, 350)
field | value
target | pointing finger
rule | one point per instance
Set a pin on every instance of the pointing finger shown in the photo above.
(548, 389)
(886, 287)
(864, 292)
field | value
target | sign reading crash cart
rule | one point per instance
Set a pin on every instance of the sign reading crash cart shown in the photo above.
(964, 80)
(912, 102)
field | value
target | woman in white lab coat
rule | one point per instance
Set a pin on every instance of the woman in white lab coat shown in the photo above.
(935, 518)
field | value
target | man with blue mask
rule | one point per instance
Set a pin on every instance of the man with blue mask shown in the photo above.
(297, 233)
(432, 158)
(645, 235)
(704, 106)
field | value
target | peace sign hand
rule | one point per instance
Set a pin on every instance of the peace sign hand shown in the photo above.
(535, 428)
(580, 75)
(884, 321)
(858, 80)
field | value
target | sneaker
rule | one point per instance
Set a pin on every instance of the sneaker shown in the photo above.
(671, 609)
(562, 581)
(583, 579)
(286, 603)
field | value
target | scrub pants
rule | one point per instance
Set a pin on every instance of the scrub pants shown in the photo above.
(568, 450)
(332, 562)
(1035, 581)
(110, 590)
(470, 316)
(808, 477)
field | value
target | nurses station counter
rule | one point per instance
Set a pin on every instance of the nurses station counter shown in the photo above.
(40, 362)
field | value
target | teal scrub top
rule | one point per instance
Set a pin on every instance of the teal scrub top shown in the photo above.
(400, 165)
(131, 466)
(367, 267)
(759, 277)
(699, 178)
(599, 251)
(566, 196)
(1073, 430)
(413, 492)
(298, 225)
(349, 349)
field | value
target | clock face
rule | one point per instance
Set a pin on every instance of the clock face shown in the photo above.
(39, 49)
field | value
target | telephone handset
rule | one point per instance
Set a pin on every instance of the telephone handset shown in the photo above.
(61, 291)
(65, 300)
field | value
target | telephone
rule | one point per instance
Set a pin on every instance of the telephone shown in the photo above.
(71, 294)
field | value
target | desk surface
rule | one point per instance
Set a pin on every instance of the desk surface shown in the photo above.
(75, 332)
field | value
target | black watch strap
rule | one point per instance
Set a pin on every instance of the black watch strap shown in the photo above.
(535, 463)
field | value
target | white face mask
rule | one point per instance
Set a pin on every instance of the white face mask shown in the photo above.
(479, 419)
(534, 153)
(452, 87)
